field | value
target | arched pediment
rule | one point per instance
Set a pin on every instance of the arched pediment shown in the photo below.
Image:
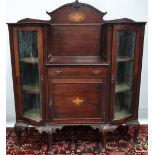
(76, 13)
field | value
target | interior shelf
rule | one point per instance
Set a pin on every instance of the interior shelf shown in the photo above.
(29, 60)
(33, 113)
(122, 87)
(124, 59)
(32, 88)
(76, 60)
(121, 114)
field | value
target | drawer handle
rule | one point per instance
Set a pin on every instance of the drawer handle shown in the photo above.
(96, 72)
(113, 79)
(49, 56)
(58, 72)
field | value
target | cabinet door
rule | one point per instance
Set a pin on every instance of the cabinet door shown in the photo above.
(126, 58)
(75, 100)
(28, 61)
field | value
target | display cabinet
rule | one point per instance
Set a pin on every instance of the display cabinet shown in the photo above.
(126, 62)
(76, 69)
(27, 60)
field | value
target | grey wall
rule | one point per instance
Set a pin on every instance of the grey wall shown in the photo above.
(134, 9)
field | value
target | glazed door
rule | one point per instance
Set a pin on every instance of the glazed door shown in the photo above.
(126, 57)
(28, 56)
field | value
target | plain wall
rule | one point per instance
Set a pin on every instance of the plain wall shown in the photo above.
(19, 9)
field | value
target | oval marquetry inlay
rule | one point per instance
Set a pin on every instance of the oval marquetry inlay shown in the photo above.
(77, 17)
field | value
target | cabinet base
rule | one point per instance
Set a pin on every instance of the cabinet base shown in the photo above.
(74, 132)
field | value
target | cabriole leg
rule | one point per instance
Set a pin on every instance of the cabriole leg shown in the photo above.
(105, 129)
(133, 129)
(50, 139)
(19, 129)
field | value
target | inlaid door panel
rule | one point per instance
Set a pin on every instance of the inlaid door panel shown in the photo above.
(76, 100)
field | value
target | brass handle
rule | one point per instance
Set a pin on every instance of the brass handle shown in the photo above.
(49, 56)
(42, 80)
(58, 72)
(112, 79)
(96, 72)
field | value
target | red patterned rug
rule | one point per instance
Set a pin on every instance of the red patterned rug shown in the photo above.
(67, 142)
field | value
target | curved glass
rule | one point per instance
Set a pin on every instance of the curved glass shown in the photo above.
(124, 73)
(29, 73)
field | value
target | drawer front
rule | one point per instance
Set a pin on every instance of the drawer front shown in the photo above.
(77, 101)
(76, 72)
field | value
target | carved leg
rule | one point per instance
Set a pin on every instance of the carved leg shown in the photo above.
(133, 129)
(105, 129)
(104, 140)
(19, 128)
(18, 135)
(50, 140)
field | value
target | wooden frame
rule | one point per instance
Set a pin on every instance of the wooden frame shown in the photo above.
(16, 75)
(137, 57)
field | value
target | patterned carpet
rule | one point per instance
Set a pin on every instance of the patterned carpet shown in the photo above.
(119, 143)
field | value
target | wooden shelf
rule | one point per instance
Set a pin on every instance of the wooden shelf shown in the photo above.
(76, 60)
(124, 59)
(78, 24)
(33, 114)
(121, 114)
(122, 88)
(30, 60)
(31, 88)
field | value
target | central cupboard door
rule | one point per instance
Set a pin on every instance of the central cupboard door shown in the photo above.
(77, 100)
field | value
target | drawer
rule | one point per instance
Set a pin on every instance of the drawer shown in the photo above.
(76, 72)
(74, 101)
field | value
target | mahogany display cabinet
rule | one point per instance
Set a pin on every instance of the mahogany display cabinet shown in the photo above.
(76, 69)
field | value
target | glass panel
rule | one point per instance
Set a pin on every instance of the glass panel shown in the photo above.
(123, 104)
(124, 74)
(126, 45)
(28, 55)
